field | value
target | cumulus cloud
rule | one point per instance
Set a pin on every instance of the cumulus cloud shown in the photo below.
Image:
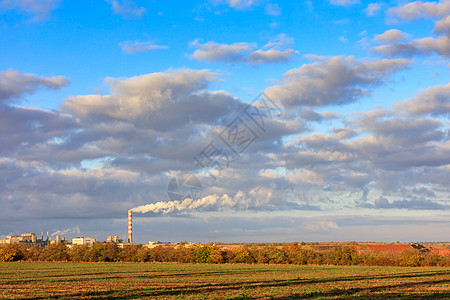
(162, 101)
(237, 4)
(378, 151)
(244, 52)
(27, 129)
(403, 132)
(14, 84)
(319, 225)
(316, 140)
(411, 204)
(150, 123)
(343, 2)
(126, 8)
(40, 10)
(270, 56)
(443, 26)
(272, 9)
(137, 46)
(434, 101)
(308, 114)
(338, 80)
(419, 9)
(424, 46)
(139, 95)
(372, 9)
(423, 191)
(391, 36)
(396, 143)
(37, 191)
(213, 52)
(108, 153)
(279, 42)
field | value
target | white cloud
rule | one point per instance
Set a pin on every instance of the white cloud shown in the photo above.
(213, 52)
(306, 176)
(391, 36)
(372, 9)
(419, 9)
(40, 10)
(318, 226)
(14, 85)
(343, 2)
(240, 4)
(148, 128)
(272, 9)
(279, 42)
(245, 52)
(101, 154)
(434, 100)
(162, 101)
(338, 80)
(270, 56)
(412, 204)
(126, 8)
(137, 46)
(443, 26)
(32, 129)
(423, 46)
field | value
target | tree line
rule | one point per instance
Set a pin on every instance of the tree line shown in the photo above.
(292, 253)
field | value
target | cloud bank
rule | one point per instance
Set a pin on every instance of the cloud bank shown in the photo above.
(244, 52)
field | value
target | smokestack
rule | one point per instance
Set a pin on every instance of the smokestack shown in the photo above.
(130, 230)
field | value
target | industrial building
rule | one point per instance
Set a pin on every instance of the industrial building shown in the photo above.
(30, 239)
(113, 239)
(16, 239)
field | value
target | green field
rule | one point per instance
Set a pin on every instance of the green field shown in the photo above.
(202, 281)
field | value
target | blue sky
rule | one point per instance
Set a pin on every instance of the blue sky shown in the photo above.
(102, 103)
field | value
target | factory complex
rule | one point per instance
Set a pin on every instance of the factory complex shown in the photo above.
(31, 239)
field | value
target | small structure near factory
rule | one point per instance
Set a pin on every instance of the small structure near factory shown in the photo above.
(113, 239)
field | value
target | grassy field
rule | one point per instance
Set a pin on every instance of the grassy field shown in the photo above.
(201, 281)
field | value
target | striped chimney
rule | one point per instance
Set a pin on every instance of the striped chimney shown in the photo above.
(130, 230)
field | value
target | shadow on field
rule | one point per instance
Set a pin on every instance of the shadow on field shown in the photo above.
(381, 296)
(382, 291)
(80, 277)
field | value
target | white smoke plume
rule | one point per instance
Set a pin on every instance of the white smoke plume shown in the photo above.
(73, 230)
(210, 202)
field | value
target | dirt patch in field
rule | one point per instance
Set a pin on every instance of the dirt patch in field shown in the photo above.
(388, 247)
